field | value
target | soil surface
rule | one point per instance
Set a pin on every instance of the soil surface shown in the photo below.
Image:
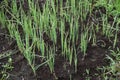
(95, 56)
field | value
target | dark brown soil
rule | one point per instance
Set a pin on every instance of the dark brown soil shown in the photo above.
(95, 57)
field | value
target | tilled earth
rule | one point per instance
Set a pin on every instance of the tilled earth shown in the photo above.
(94, 58)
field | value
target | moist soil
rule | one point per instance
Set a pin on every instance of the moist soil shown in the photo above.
(95, 56)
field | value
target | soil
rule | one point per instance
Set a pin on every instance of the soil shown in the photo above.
(95, 57)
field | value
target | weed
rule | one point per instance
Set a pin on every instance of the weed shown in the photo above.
(6, 67)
